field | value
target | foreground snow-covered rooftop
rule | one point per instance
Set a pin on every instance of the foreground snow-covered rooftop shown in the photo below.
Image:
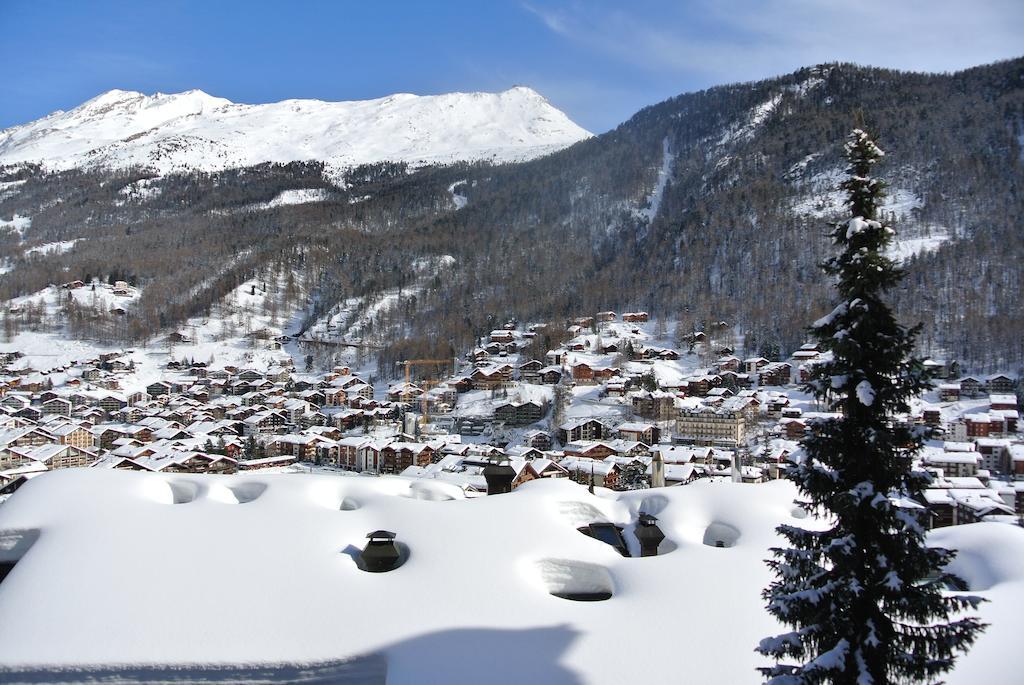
(121, 572)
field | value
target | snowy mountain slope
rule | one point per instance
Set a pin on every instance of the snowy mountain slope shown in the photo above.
(193, 130)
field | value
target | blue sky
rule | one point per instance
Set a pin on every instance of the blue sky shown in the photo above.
(600, 61)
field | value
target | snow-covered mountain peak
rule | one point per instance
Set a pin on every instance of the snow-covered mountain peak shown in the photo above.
(195, 130)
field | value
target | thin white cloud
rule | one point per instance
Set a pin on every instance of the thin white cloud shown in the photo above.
(747, 39)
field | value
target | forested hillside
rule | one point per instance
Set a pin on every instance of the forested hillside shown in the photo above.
(707, 207)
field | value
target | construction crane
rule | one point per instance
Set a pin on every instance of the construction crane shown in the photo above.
(408, 364)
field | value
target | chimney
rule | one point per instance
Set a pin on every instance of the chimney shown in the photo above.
(499, 476)
(649, 535)
(658, 470)
(380, 554)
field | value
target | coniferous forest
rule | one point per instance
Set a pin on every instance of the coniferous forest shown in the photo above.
(707, 207)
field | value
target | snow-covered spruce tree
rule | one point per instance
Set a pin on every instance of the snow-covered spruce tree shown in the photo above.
(633, 476)
(864, 597)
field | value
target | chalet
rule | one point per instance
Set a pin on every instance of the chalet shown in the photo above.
(949, 392)
(15, 402)
(1017, 461)
(754, 364)
(728, 363)
(58, 456)
(589, 449)
(600, 473)
(398, 456)
(58, 405)
(546, 468)
(971, 386)
(656, 405)
(616, 388)
(931, 416)
(636, 317)
(995, 454)
(684, 454)
(72, 434)
(983, 424)
(968, 502)
(1002, 401)
(519, 413)
(265, 422)
(267, 462)
(278, 374)
(1008, 417)
(530, 371)
(303, 447)
(491, 377)
(334, 397)
(550, 375)
(583, 429)
(403, 392)
(646, 433)
(793, 428)
(604, 373)
(774, 373)
(502, 336)
(807, 352)
(1001, 384)
(583, 373)
(158, 389)
(360, 390)
(30, 413)
(701, 385)
(605, 316)
(578, 345)
(955, 459)
(554, 356)
(537, 440)
(25, 437)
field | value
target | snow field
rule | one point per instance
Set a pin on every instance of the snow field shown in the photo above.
(198, 571)
(255, 569)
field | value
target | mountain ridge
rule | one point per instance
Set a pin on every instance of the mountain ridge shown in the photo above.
(707, 207)
(195, 131)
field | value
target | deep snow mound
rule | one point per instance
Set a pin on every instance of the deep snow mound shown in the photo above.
(145, 572)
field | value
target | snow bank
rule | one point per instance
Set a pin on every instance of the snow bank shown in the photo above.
(231, 571)
(259, 569)
(991, 559)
